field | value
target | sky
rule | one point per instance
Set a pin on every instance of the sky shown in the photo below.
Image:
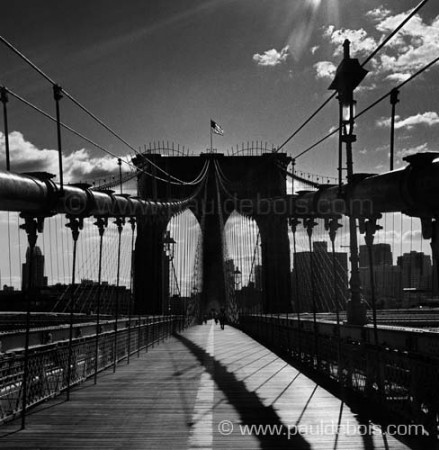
(159, 70)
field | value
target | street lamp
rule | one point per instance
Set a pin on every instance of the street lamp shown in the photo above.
(168, 248)
(237, 277)
(169, 245)
(348, 76)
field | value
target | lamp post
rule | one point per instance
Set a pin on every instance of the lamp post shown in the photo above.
(237, 278)
(348, 76)
(168, 248)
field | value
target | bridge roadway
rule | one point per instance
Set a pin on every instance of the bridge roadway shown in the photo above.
(180, 394)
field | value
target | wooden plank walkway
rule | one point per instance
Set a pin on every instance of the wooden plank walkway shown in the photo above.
(199, 390)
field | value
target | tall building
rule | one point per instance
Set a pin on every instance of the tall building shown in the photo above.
(381, 254)
(387, 277)
(320, 282)
(388, 286)
(258, 277)
(38, 280)
(416, 270)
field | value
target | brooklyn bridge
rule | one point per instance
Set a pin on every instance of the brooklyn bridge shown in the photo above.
(221, 298)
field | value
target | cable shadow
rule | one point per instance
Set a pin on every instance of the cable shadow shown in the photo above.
(252, 411)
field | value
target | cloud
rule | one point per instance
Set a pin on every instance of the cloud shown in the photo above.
(78, 165)
(414, 235)
(271, 57)
(429, 118)
(408, 51)
(361, 43)
(379, 13)
(325, 69)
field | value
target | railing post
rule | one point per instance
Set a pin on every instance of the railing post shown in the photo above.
(32, 226)
(75, 224)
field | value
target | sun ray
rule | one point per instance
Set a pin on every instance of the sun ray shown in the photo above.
(303, 27)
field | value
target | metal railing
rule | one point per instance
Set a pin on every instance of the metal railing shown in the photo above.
(48, 374)
(404, 384)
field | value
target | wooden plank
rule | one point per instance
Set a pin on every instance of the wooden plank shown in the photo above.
(179, 394)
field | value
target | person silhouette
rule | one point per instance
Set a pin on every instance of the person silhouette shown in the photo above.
(222, 318)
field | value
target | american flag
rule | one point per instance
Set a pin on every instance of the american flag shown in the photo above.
(216, 128)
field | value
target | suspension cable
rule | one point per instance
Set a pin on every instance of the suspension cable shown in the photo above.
(77, 103)
(379, 47)
(376, 102)
(80, 135)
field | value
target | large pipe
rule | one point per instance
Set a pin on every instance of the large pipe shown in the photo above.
(413, 190)
(36, 194)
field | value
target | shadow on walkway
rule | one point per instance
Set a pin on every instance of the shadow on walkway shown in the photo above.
(250, 408)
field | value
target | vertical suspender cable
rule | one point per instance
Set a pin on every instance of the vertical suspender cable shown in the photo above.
(132, 222)
(75, 225)
(119, 223)
(101, 224)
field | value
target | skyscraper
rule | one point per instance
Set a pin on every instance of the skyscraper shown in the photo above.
(416, 270)
(320, 281)
(381, 254)
(38, 280)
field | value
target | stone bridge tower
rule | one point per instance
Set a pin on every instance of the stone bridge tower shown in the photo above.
(251, 179)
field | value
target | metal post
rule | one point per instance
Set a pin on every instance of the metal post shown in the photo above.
(57, 95)
(293, 224)
(332, 226)
(393, 101)
(101, 223)
(75, 224)
(132, 222)
(4, 100)
(340, 147)
(31, 226)
(435, 252)
(119, 222)
(348, 76)
(293, 171)
(119, 163)
(309, 225)
(370, 227)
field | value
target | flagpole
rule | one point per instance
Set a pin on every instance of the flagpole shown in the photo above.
(211, 139)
